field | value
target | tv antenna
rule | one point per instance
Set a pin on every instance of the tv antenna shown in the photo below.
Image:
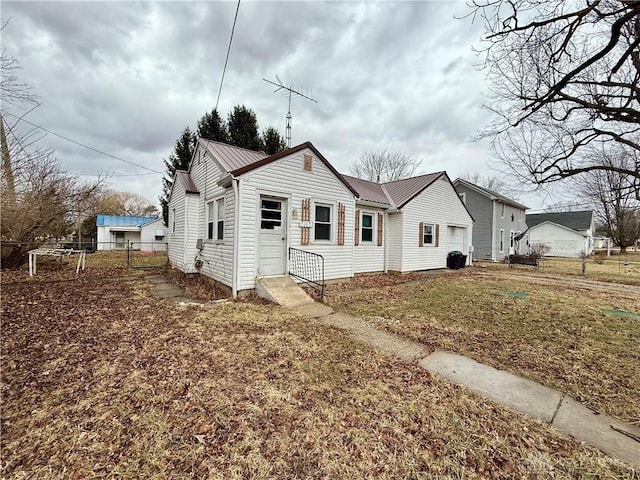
(287, 90)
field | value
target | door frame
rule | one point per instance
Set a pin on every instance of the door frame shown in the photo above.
(286, 218)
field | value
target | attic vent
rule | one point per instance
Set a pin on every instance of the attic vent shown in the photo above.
(308, 162)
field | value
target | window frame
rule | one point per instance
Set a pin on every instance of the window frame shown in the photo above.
(220, 219)
(501, 245)
(215, 223)
(330, 222)
(424, 234)
(372, 227)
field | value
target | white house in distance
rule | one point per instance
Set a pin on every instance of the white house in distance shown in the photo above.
(567, 234)
(238, 215)
(141, 233)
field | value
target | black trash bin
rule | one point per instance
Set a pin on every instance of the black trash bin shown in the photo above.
(453, 260)
(463, 261)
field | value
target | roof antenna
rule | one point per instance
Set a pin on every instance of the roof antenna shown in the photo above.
(282, 87)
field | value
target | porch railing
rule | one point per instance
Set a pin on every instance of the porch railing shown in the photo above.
(309, 268)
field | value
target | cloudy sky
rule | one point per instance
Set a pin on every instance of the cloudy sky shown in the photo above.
(126, 78)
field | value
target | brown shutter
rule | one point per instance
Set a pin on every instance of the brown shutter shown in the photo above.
(356, 239)
(421, 241)
(340, 224)
(380, 219)
(305, 216)
(437, 235)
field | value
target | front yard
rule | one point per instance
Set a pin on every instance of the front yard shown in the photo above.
(99, 379)
(569, 336)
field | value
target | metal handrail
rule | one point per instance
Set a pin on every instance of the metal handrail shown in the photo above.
(307, 267)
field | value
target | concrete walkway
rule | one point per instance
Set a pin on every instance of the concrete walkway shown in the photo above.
(613, 437)
(164, 288)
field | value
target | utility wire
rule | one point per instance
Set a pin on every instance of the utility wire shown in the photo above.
(83, 145)
(224, 70)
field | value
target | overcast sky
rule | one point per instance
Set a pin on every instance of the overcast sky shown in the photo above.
(126, 78)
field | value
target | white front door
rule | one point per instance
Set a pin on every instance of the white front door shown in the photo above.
(273, 236)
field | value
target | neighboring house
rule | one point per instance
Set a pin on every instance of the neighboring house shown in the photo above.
(237, 213)
(567, 234)
(498, 221)
(141, 233)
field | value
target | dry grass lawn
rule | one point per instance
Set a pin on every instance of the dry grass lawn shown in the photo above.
(101, 380)
(560, 335)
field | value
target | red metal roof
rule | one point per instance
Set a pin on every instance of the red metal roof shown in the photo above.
(368, 191)
(185, 181)
(403, 191)
(232, 158)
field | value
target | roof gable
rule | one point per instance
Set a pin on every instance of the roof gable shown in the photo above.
(577, 221)
(547, 222)
(490, 194)
(230, 157)
(403, 191)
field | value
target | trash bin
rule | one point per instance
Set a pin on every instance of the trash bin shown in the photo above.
(463, 261)
(454, 260)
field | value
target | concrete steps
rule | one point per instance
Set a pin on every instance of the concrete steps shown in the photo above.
(283, 291)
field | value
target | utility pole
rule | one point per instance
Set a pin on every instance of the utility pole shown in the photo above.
(288, 91)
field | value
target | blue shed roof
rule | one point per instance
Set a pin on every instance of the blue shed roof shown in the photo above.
(122, 221)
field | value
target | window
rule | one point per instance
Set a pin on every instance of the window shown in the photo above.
(159, 238)
(270, 214)
(501, 240)
(427, 234)
(463, 197)
(220, 218)
(367, 227)
(511, 239)
(215, 220)
(322, 223)
(502, 210)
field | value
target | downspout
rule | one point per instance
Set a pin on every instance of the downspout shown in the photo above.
(235, 182)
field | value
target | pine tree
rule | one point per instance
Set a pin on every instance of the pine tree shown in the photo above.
(272, 141)
(243, 128)
(212, 127)
(178, 160)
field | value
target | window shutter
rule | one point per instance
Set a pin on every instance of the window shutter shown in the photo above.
(305, 231)
(380, 219)
(340, 224)
(356, 239)
(421, 241)
(437, 235)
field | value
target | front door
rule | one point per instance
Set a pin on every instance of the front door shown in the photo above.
(273, 236)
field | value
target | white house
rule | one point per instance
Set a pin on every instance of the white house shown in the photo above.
(566, 234)
(119, 231)
(238, 215)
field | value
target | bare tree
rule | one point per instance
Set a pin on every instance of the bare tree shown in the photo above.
(125, 203)
(384, 166)
(616, 209)
(564, 76)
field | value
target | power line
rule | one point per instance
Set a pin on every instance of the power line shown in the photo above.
(224, 70)
(83, 145)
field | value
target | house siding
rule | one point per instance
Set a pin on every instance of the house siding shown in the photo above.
(563, 242)
(216, 255)
(287, 178)
(148, 237)
(176, 238)
(369, 256)
(438, 204)
(394, 242)
(481, 209)
(517, 225)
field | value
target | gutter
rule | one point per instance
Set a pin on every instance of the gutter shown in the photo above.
(235, 183)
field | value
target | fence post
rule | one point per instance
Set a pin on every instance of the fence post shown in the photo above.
(584, 263)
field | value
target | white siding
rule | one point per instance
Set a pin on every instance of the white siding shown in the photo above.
(440, 205)
(394, 241)
(286, 178)
(368, 256)
(148, 237)
(216, 255)
(103, 238)
(176, 238)
(563, 242)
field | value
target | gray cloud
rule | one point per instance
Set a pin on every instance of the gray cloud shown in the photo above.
(126, 78)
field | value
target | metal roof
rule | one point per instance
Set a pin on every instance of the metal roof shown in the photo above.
(368, 191)
(402, 191)
(578, 221)
(185, 181)
(122, 221)
(490, 193)
(231, 158)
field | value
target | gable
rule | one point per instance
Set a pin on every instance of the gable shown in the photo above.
(452, 196)
(557, 227)
(486, 193)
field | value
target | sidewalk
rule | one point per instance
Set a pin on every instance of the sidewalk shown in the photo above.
(613, 437)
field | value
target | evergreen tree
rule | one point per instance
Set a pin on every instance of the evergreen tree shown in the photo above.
(272, 141)
(178, 160)
(243, 128)
(213, 127)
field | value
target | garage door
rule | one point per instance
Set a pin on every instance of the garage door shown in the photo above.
(456, 238)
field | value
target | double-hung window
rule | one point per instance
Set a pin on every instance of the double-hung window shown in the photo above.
(215, 220)
(501, 240)
(427, 234)
(367, 227)
(322, 224)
